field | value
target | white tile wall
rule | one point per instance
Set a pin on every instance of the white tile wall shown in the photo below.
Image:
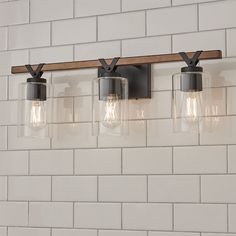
(17, 231)
(74, 188)
(90, 8)
(147, 161)
(26, 36)
(173, 189)
(51, 214)
(200, 217)
(174, 18)
(200, 160)
(51, 162)
(43, 10)
(13, 213)
(122, 189)
(74, 31)
(98, 215)
(131, 5)
(14, 12)
(151, 183)
(143, 216)
(121, 26)
(217, 15)
(29, 188)
(13, 163)
(210, 189)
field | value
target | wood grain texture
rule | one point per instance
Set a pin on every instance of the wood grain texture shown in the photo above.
(152, 59)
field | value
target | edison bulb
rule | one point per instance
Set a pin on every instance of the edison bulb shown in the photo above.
(191, 106)
(112, 110)
(38, 114)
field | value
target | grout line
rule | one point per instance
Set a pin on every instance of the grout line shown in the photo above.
(227, 159)
(198, 18)
(146, 23)
(97, 29)
(227, 217)
(173, 216)
(200, 189)
(226, 43)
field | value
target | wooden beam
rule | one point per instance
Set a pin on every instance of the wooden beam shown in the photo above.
(75, 65)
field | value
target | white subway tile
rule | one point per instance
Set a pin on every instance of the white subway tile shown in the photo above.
(3, 138)
(200, 160)
(182, 2)
(73, 232)
(143, 216)
(27, 36)
(231, 37)
(97, 50)
(98, 215)
(51, 214)
(224, 132)
(132, 5)
(151, 108)
(76, 135)
(232, 218)
(14, 12)
(97, 161)
(13, 163)
(51, 162)
(16, 231)
(3, 88)
(121, 233)
(9, 116)
(217, 234)
(29, 188)
(199, 41)
(147, 161)
(232, 159)
(90, 7)
(3, 231)
(121, 26)
(174, 20)
(200, 217)
(210, 186)
(156, 129)
(13, 213)
(44, 10)
(83, 109)
(74, 188)
(123, 189)
(15, 142)
(173, 189)
(10, 58)
(51, 54)
(63, 110)
(173, 234)
(217, 15)
(74, 31)
(3, 38)
(3, 189)
(231, 104)
(146, 46)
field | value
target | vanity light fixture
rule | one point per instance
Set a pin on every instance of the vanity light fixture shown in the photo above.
(119, 79)
(34, 105)
(191, 95)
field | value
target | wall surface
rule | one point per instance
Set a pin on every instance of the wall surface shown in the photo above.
(153, 182)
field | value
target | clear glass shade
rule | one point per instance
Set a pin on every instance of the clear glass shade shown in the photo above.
(189, 106)
(110, 106)
(34, 114)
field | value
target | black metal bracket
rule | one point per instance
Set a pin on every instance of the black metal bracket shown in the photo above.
(191, 62)
(139, 77)
(35, 73)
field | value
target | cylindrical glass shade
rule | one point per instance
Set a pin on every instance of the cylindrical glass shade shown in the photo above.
(110, 106)
(34, 109)
(192, 100)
